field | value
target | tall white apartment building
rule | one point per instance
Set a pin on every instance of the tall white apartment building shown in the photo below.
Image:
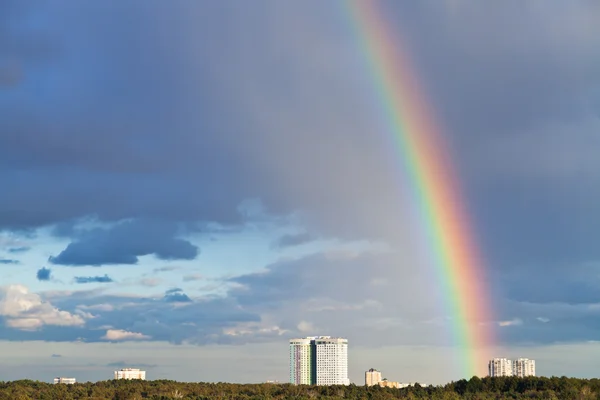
(130, 373)
(332, 361)
(319, 360)
(500, 367)
(524, 367)
(301, 366)
(372, 377)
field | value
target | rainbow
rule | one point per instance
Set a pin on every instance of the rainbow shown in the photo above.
(435, 185)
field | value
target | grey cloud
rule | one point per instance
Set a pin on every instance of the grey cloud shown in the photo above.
(176, 295)
(165, 269)
(93, 279)
(21, 249)
(10, 74)
(289, 240)
(199, 322)
(193, 277)
(578, 285)
(123, 364)
(124, 242)
(8, 261)
(382, 303)
(295, 121)
(547, 322)
(335, 293)
(56, 356)
(43, 274)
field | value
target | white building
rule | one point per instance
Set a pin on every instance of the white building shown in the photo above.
(332, 361)
(319, 360)
(524, 367)
(500, 367)
(68, 381)
(301, 371)
(372, 377)
(130, 373)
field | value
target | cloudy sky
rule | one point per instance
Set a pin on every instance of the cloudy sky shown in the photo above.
(184, 186)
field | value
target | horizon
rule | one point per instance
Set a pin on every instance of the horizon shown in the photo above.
(185, 186)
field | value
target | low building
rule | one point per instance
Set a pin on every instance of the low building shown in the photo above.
(68, 381)
(404, 385)
(130, 373)
(385, 383)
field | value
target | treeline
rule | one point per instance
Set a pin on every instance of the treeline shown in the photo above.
(473, 389)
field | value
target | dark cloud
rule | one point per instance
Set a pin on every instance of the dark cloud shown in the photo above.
(124, 242)
(293, 240)
(579, 285)
(93, 279)
(10, 73)
(296, 121)
(56, 356)
(7, 261)
(22, 249)
(176, 295)
(43, 274)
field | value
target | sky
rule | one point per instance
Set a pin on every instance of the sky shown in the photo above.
(185, 186)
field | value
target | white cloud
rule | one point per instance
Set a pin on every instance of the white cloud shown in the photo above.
(119, 335)
(324, 304)
(305, 326)
(151, 282)
(254, 329)
(97, 307)
(27, 311)
(512, 322)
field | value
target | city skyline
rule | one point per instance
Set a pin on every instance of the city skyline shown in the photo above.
(185, 186)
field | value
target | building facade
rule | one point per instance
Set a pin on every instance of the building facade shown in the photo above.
(301, 365)
(500, 367)
(130, 373)
(390, 384)
(524, 367)
(319, 360)
(372, 377)
(332, 361)
(68, 381)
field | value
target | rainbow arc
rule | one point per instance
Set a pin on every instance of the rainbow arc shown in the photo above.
(435, 185)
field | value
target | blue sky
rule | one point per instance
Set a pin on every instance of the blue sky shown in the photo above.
(201, 181)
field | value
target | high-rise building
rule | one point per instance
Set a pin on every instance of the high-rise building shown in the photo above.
(372, 377)
(523, 367)
(301, 365)
(332, 361)
(500, 367)
(319, 360)
(130, 373)
(68, 381)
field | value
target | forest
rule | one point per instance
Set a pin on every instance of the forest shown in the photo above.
(474, 388)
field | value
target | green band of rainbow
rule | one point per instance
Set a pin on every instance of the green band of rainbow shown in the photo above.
(435, 185)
